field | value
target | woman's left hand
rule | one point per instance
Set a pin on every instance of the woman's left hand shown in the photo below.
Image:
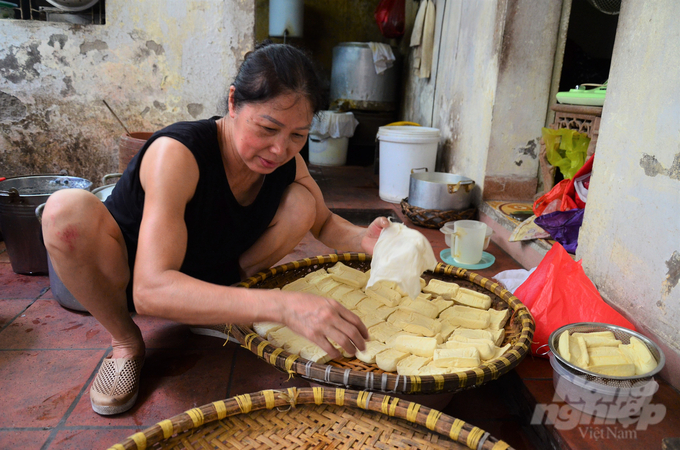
(372, 234)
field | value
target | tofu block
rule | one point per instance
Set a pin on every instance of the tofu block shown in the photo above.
(369, 320)
(467, 317)
(424, 296)
(387, 360)
(411, 364)
(289, 340)
(352, 298)
(315, 353)
(424, 307)
(473, 299)
(599, 339)
(485, 347)
(578, 352)
(447, 329)
(385, 295)
(644, 358)
(368, 305)
(474, 334)
(383, 331)
(312, 289)
(563, 346)
(442, 289)
(372, 349)
(339, 348)
(339, 292)
(297, 285)
(348, 275)
(263, 328)
(327, 284)
(416, 345)
(613, 363)
(316, 276)
(456, 357)
(430, 369)
(384, 312)
(442, 304)
(499, 351)
(498, 336)
(390, 342)
(415, 323)
(498, 318)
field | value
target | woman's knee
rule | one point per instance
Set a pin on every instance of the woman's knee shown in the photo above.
(68, 219)
(298, 206)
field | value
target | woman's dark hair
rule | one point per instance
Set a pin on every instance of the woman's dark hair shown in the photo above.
(274, 69)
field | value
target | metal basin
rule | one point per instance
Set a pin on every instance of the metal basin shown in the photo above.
(440, 191)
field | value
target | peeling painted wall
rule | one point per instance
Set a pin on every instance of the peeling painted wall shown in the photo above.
(155, 62)
(490, 85)
(521, 102)
(630, 238)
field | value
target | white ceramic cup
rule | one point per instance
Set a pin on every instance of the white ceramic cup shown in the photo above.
(467, 240)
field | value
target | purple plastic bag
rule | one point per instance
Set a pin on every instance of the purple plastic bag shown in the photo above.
(563, 226)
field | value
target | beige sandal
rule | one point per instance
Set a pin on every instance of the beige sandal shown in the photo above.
(116, 386)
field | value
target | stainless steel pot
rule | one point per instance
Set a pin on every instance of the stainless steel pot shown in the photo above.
(19, 197)
(439, 190)
(354, 83)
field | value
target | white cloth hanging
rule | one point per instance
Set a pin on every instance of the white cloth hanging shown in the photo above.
(422, 38)
(383, 57)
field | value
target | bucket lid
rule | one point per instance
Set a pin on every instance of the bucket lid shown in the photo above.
(407, 132)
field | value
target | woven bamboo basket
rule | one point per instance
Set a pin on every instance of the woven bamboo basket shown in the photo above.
(353, 373)
(434, 218)
(312, 418)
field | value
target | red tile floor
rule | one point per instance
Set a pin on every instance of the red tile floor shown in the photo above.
(49, 356)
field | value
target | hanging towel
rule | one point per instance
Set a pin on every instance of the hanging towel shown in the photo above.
(427, 42)
(383, 58)
(422, 38)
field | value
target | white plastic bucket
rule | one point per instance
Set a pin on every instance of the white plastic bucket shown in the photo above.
(403, 148)
(327, 152)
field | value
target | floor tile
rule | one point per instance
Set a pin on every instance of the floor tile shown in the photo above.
(162, 333)
(46, 324)
(14, 285)
(173, 381)
(9, 309)
(252, 374)
(22, 439)
(90, 439)
(39, 386)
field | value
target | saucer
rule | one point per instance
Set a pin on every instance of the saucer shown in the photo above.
(487, 260)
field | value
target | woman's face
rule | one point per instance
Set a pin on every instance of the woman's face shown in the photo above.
(268, 135)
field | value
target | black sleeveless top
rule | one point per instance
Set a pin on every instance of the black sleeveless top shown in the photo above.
(219, 228)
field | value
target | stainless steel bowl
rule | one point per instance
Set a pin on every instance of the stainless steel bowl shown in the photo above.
(622, 334)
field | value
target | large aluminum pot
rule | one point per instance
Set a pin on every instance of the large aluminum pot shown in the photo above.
(19, 196)
(354, 83)
(439, 191)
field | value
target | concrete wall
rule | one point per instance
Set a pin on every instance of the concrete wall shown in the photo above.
(489, 90)
(522, 97)
(630, 239)
(155, 62)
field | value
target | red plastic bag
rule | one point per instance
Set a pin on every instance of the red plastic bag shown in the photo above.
(553, 200)
(390, 15)
(558, 293)
(570, 198)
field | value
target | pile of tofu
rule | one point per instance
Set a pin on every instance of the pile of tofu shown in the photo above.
(600, 352)
(445, 329)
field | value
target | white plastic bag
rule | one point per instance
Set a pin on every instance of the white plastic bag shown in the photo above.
(401, 255)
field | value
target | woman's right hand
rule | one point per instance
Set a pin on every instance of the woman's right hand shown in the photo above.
(319, 319)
